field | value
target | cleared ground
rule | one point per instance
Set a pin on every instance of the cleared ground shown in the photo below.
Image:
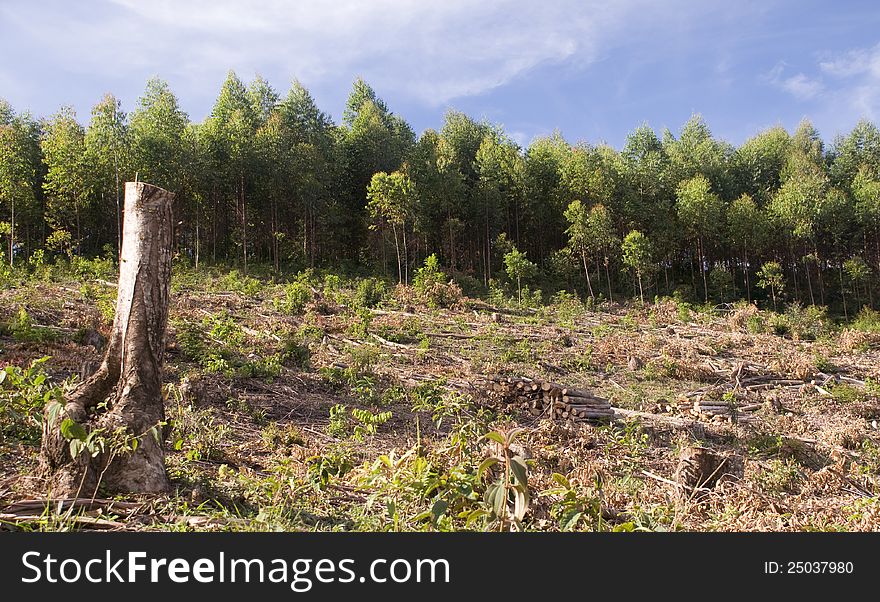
(311, 406)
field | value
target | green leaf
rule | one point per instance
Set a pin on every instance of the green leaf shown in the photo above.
(624, 528)
(134, 443)
(519, 470)
(561, 480)
(439, 509)
(570, 520)
(512, 435)
(486, 465)
(496, 498)
(494, 436)
(475, 516)
(71, 429)
(76, 447)
(52, 412)
(178, 444)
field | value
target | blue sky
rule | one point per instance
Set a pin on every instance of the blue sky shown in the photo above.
(594, 70)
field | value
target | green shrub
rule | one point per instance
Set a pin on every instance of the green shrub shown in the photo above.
(294, 298)
(197, 432)
(22, 328)
(370, 292)
(432, 286)
(868, 320)
(808, 323)
(24, 392)
(237, 282)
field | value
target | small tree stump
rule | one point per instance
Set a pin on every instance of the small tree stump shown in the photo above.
(703, 468)
(124, 395)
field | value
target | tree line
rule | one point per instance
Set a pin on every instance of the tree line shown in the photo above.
(271, 179)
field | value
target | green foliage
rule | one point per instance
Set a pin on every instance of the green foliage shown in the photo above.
(197, 432)
(294, 298)
(24, 392)
(237, 282)
(339, 424)
(570, 507)
(807, 323)
(868, 320)
(770, 277)
(22, 328)
(518, 268)
(782, 475)
(335, 463)
(432, 287)
(370, 292)
(367, 422)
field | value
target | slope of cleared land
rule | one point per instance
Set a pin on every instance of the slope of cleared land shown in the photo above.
(321, 404)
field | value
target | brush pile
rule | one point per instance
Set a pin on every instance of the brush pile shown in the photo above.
(546, 398)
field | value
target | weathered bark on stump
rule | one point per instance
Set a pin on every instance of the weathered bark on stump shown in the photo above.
(129, 378)
(703, 468)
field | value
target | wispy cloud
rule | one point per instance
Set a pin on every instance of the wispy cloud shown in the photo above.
(433, 52)
(801, 86)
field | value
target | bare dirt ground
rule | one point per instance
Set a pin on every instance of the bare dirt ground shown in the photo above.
(253, 393)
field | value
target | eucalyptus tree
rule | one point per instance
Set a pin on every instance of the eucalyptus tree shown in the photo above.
(231, 129)
(797, 204)
(518, 267)
(20, 172)
(499, 166)
(68, 179)
(591, 234)
(637, 253)
(155, 129)
(309, 166)
(540, 224)
(757, 165)
(391, 199)
(372, 140)
(700, 211)
(106, 144)
(748, 229)
(579, 237)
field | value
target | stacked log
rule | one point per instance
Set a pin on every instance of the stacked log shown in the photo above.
(720, 411)
(550, 399)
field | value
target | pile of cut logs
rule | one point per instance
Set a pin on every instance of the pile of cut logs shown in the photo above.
(547, 398)
(719, 410)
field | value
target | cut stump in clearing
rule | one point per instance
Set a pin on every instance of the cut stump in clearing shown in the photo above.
(123, 398)
(700, 468)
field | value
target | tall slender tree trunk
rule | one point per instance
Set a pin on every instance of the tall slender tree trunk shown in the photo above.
(703, 272)
(12, 232)
(118, 200)
(244, 245)
(809, 283)
(131, 372)
(397, 248)
(842, 290)
(587, 273)
(198, 220)
(641, 293)
(746, 273)
(405, 257)
(608, 279)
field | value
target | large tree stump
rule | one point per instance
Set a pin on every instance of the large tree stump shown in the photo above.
(700, 468)
(124, 396)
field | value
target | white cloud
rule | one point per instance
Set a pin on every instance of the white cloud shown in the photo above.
(432, 52)
(853, 63)
(799, 85)
(802, 87)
